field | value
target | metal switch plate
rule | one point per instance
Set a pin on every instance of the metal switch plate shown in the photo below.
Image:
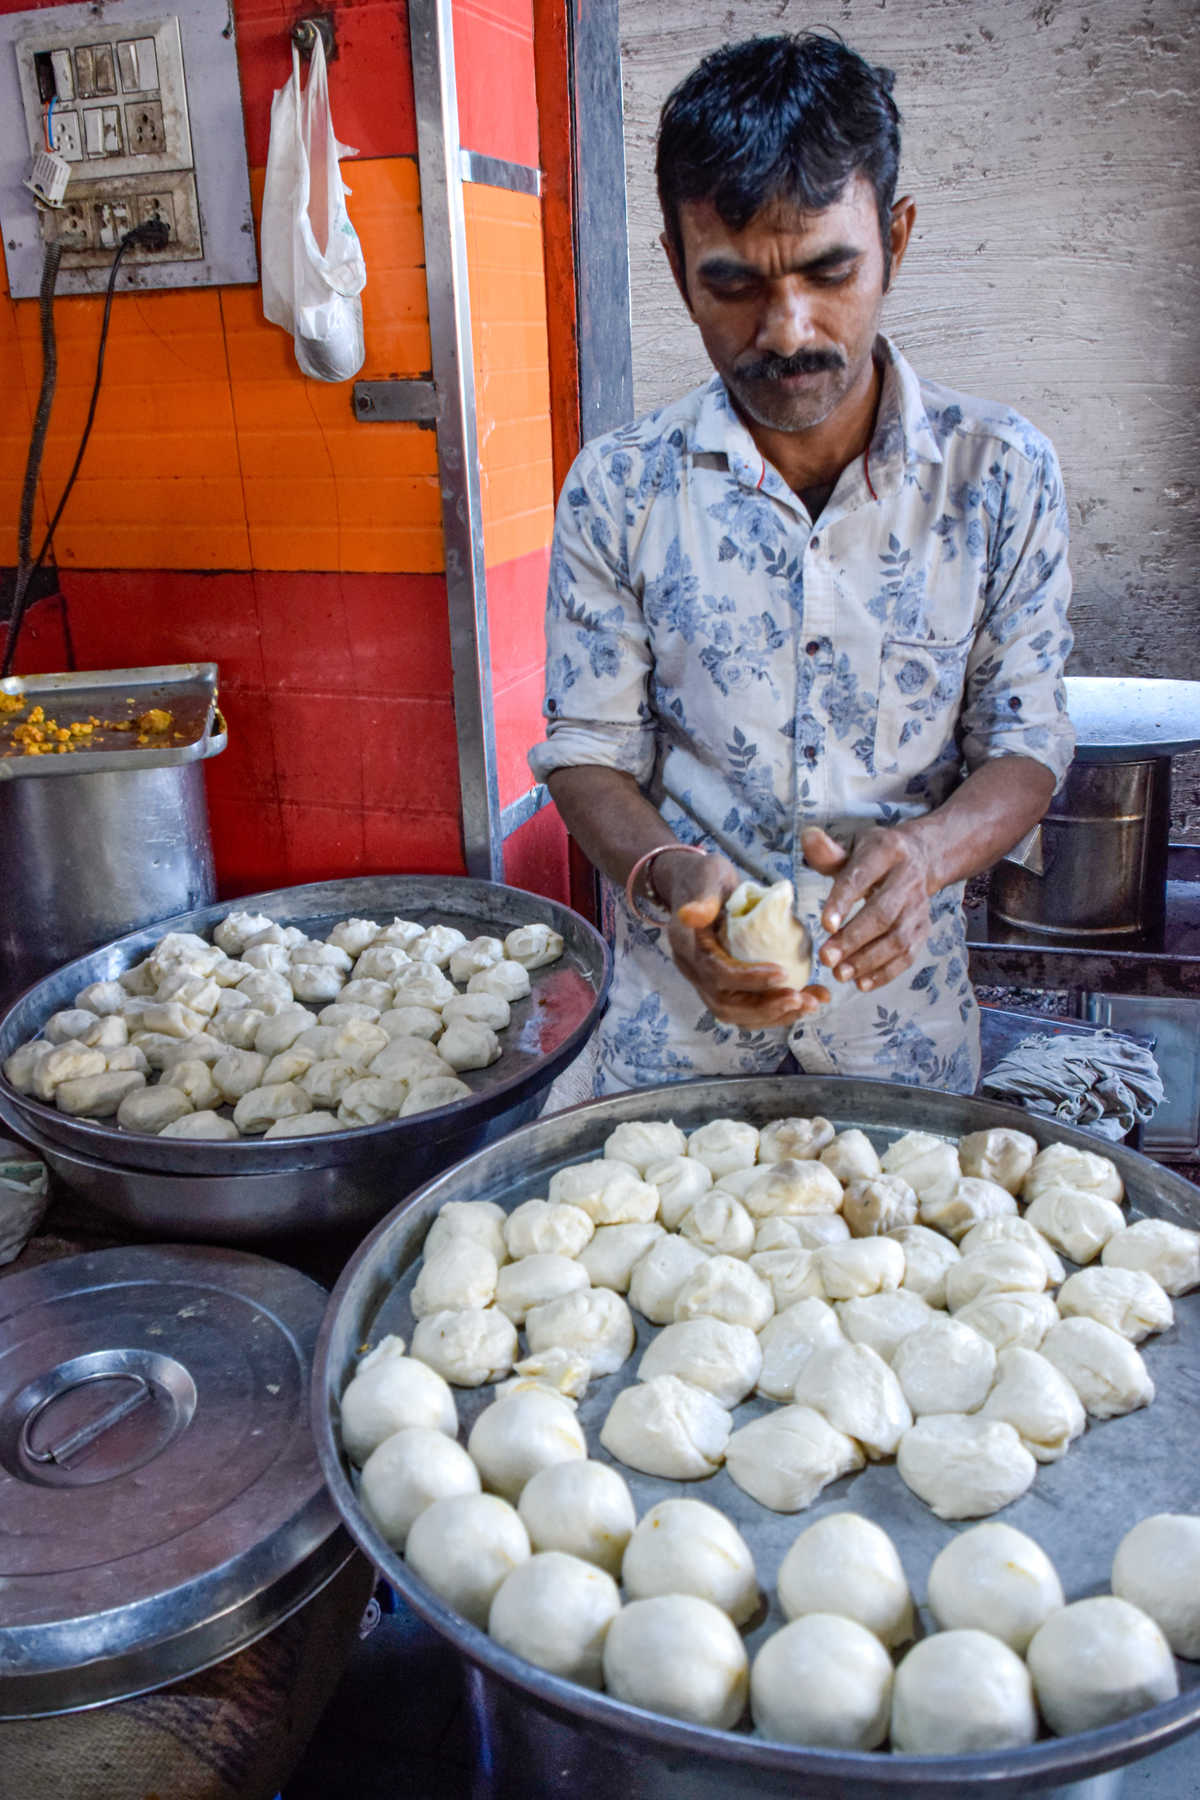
(146, 108)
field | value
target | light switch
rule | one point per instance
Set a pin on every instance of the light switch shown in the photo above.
(114, 220)
(64, 75)
(111, 129)
(147, 62)
(85, 72)
(127, 63)
(93, 130)
(105, 69)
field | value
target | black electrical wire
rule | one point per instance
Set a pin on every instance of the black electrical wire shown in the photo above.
(153, 234)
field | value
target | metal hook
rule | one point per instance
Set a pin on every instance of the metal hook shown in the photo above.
(305, 31)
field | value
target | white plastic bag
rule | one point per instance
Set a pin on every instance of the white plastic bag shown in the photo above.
(312, 262)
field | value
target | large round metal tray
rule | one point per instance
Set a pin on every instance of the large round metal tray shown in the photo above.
(1078, 1509)
(546, 1031)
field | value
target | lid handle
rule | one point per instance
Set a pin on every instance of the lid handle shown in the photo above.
(79, 1439)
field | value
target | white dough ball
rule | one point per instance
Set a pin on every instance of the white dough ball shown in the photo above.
(687, 1547)
(994, 1579)
(555, 1611)
(785, 1189)
(535, 1280)
(822, 1680)
(1103, 1367)
(851, 1156)
(461, 1274)
(506, 979)
(1157, 1568)
(791, 1275)
(1012, 1228)
(678, 1655)
(848, 1565)
(1077, 1223)
(478, 953)
(1128, 1301)
(262, 1106)
(463, 1547)
(1063, 1165)
(1004, 1268)
(723, 1144)
(433, 1092)
(313, 1124)
(149, 1110)
(353, 935)
(800, 1231)
(62, 1027)
(614, 1252)
(1099, 1661)
(594, 1322)
(643, 1143)
(237, 1072)
(437, 944)
(372, 1100)
(388, 1392)
(944, 1367)
(658, 1275)
(485, 1009)
(667, 1427)
(408, 1472)
(927, 1257)
(999, 1155)
(98, 1096)
(1038, 1402)
(1011, 1321)
(546, 1228)
(877, 1203)
(929, 1164)
(868, 1265)
(411, 1021)
(481, 1220)
(467, 1346)
(521, 1433)
(565, 1372)
(468, 1044)
(856, 1391)
(960, 1692)
(789, 1339)
(680, 1181)
(610, 1192)
(195, 1080)
(1170, 1253)
(962, 1466)
(325, 1082)
(883, 1321)
(534, 945)
(207, 1126)
(784, 1459)
(584, 1508)
(724, 1288)
(723, 1359)
(719, 1224)
(71, 1061)
(794, 1140)
(967, 1203)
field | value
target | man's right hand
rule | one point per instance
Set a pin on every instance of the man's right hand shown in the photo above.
(753, 995)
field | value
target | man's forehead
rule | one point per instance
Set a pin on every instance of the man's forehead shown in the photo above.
(851, 216)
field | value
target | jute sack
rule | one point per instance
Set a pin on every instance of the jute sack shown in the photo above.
(235, 1732)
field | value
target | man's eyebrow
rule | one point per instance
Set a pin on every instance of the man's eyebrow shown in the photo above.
(730, 268)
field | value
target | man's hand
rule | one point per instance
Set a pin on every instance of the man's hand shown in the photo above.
(753, 995)
(892, 873)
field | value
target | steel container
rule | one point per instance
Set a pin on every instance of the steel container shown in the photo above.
(97, 842)
(541, 1734)
(229, 1192)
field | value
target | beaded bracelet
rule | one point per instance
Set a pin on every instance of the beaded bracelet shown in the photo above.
(642, 869)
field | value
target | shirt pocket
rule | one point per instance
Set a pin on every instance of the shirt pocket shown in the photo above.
(919, 702)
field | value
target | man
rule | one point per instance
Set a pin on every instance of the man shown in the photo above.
(810, 619)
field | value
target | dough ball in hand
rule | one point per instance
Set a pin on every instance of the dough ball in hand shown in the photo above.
(463, 1547)
(962, 1691)
(584, 1508)
(994, 1579)
(686, 1547)
(1157, 1568)
(964, 1467)
(1098, 1661)
(408, 1472)
(846, 1564)
(521, 1433)
(822, 1680)
(678, 1655)
(388, 1392)
(555, 1611)
(784, 1459)
(666, 1426)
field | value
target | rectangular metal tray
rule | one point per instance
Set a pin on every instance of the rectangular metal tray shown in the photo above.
(188, 691)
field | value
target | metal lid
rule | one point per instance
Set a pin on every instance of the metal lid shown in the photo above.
(161, 1501)
(105, 706)
(1122, 719)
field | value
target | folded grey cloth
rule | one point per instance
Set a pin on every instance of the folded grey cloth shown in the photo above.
(1101, 1082)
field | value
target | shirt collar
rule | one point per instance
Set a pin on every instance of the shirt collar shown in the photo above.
(903, 434)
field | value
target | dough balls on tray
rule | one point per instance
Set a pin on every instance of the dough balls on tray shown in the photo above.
(792, 1358)
(307, 1009)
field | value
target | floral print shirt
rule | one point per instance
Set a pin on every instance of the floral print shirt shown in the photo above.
(758, 671)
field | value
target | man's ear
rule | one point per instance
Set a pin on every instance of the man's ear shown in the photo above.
(677, 269)
(904, 214)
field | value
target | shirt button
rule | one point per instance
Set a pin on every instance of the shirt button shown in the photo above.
(811, 648)
(811, 753)
(814, 543)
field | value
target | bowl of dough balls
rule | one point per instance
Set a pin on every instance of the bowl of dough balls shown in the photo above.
(787, 1435)
(302, 1058)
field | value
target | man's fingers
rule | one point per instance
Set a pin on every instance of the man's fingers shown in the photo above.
(821, 852)
(880, 977)
(873, 958)
(697, 914)
(879, 916)
(865, 870)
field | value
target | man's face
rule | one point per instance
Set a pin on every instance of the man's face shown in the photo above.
(789, 307)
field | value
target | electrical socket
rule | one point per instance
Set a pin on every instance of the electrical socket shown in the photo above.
(144, 128)
(157, 206)
(113, 219)
(73, 225)
(68, 138)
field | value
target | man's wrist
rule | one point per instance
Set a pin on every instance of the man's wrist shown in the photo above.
(668, 869)
(926, 835)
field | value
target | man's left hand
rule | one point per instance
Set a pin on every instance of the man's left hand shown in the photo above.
(891, 872)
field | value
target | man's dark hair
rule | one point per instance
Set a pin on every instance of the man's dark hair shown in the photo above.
(792, 117)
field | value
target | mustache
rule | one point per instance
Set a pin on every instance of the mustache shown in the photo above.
(801, 362)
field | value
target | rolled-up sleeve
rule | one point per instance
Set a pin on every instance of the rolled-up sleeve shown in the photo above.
(1016, 702)
(598, 658)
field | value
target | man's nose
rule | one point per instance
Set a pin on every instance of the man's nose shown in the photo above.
(787, 323)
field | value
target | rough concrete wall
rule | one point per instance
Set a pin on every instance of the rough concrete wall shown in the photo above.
(1052, 149)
